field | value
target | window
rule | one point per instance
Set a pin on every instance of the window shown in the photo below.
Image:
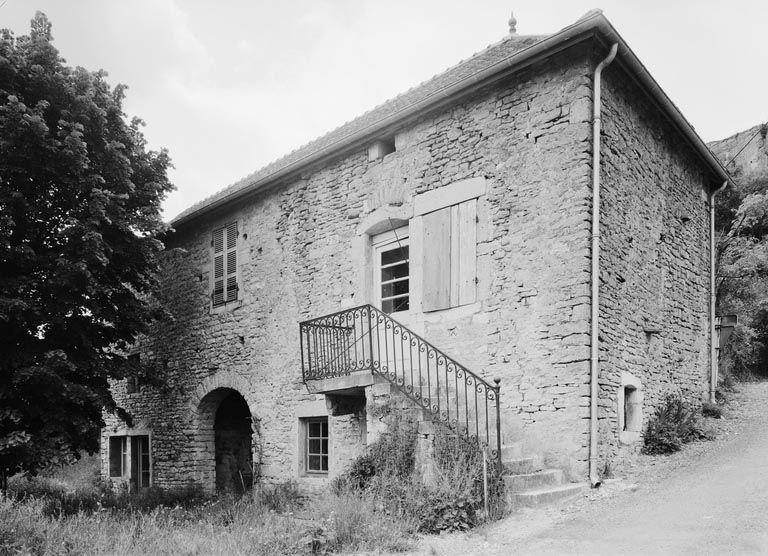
(118, 455)
(224, 264)
(630, 408)
(450, 256)
(317, 445)
(392, 270)
(133, 384)
(140, 470)
(129, 459)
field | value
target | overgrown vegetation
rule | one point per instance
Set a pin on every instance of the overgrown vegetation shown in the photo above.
(713, 410)
(43, 516)
(742, 268)
(674, 424)
(448, 496)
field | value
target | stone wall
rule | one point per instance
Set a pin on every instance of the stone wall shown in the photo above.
(302, 254)
(654, 277)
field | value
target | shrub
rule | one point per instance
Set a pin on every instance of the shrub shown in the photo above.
(281, 497)
(451, 499)
(709, 409)
(674, 424)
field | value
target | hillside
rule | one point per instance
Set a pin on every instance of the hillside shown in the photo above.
(751, 164)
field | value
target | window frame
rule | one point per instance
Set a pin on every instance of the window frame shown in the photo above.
(307, 424)
(381, 243)
(127, 444)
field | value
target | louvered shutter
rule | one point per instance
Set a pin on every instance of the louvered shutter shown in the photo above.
(231, 269)
(218, 267)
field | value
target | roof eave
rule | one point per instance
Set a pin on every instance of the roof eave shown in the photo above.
(582, 29)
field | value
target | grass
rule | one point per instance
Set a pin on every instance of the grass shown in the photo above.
(274, 520)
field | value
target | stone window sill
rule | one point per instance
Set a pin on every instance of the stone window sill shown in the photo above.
(226, 307)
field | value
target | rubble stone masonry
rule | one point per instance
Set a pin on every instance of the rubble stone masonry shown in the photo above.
(301, 254)
(654, 274)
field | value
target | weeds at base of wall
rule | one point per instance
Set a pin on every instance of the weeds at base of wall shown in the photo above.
(712, 410)
(450, 499)
(276, 519)
(674, 424)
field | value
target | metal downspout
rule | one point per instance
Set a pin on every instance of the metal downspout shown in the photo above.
(712, 297)
(594, 334)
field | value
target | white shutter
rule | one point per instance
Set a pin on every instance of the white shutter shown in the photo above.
(231, 266)
(436, 259)
(218, 267)
(450, 256)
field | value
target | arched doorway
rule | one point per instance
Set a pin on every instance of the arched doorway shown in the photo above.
(227, 419)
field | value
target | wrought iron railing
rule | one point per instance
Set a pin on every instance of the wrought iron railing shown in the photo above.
(366, 339)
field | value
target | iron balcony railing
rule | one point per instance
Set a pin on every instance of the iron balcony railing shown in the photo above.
(366, 339)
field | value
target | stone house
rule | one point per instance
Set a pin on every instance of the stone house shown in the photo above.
(440, 241)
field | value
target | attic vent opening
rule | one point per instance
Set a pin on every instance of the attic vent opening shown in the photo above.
(380, 148)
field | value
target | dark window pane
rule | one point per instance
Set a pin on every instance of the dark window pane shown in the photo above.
(325, 446)
(314, 463)
(115, 456)
(396, 271)
(394, 305)
(394, 255)
(314, 446)
(394, 288)
(314, 430)
(325, 463)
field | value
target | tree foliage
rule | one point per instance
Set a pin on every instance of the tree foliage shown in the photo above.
(80, 198)
(742, 272)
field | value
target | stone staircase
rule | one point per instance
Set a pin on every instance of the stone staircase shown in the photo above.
(527, 484)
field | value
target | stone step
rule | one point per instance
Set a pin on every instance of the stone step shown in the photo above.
(545, 495)
(511, 451)
(521, 466)
(532, 481)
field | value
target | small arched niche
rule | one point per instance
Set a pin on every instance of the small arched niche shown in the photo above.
(630, 408)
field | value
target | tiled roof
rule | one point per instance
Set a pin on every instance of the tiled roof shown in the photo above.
(482, 60)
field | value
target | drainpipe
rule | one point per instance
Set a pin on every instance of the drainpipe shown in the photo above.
(712, 297)
(594, 341)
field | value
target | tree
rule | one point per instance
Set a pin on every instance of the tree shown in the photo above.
(742, 276)
(80, 198)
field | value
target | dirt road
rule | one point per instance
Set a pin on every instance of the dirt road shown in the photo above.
(710, 499)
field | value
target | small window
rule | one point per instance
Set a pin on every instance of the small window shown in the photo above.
(317, 445)
(140, 471)
(392, 270)
(129, 459)
(224, 287)
(118, 455)
(133, 384)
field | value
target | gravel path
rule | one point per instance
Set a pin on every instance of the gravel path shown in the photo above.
(711, 498)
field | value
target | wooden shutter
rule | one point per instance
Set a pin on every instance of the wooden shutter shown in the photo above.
(231, 266)
(218, 267)
(437, 260)
(465, 258)
(450, 257)
(225, 287)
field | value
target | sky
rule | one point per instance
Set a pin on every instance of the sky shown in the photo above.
(228, 86)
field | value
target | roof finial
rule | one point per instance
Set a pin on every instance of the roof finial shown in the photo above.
(512, 24)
